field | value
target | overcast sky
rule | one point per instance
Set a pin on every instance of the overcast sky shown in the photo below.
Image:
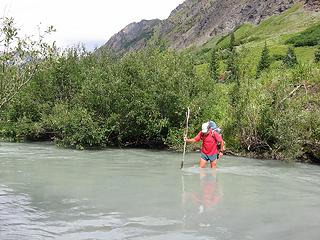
(90, 22)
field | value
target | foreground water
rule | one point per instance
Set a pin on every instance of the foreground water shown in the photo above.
(51, 193)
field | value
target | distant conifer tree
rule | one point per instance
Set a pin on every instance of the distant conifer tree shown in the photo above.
(214, 65)
(265, 60)
(232, 43)
(232, 60)
(317, 55)
(290, 59)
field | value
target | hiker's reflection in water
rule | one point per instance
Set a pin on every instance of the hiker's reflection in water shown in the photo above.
(209, 195)
(199, 204)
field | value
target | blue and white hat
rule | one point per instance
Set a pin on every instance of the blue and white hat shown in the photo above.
(212, 125)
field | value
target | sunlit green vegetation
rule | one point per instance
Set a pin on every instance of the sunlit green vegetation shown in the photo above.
(309, 37)
(92, 100)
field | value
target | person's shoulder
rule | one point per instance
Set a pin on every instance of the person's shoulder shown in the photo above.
(217, 135)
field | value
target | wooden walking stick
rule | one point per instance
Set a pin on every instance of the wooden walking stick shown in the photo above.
(185, 136)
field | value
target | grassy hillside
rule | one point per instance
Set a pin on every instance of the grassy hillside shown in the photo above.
(275, 31)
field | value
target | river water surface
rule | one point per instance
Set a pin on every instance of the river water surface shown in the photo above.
(52, 193)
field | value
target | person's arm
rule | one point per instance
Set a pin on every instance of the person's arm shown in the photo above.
(222, 146)
(193, 140)
(221, 149)
(220, 140)
(190, 140)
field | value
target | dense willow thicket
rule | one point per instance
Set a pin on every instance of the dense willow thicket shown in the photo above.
(92, 100)
(82, 99)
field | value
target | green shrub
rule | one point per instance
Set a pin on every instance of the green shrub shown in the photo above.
(74, 127)
(309, 37)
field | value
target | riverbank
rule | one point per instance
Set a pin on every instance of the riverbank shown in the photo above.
(228, 152)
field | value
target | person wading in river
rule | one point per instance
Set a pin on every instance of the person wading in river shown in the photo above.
(209, 149)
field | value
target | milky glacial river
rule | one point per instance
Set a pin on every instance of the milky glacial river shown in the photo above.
(52, 193)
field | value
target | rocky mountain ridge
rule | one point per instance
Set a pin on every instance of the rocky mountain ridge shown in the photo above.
(194, 22)
(133, 37)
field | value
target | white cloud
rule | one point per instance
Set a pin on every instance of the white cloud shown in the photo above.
(93, 21)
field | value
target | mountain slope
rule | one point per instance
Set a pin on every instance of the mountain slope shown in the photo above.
(133, 37)
(194, 22)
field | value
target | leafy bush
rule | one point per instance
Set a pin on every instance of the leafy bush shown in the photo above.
(74, 127)
(309, 37)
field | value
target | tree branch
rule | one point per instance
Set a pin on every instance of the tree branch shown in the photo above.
(7, 99)
(292, 92)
